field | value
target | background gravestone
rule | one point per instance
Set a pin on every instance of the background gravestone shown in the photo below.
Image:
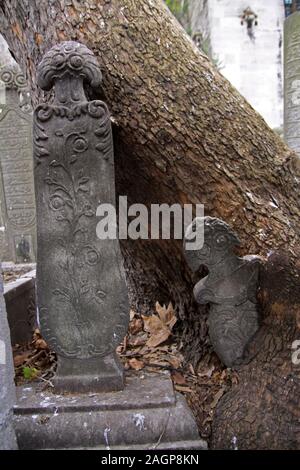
(17, 208)
(292, 81)
(5, 56)
(7, 387)
(81, 291)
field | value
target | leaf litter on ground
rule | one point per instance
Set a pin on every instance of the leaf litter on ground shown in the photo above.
(149, 345)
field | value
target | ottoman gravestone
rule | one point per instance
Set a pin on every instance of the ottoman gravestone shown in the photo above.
(292, 81)
(230, 288)
(82, 295)
(7, 386)
(17, 204)
(81, 291)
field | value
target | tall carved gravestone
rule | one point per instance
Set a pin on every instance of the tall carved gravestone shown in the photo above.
(292, 81)
(82, 296)
(7, 387)
(17, 202)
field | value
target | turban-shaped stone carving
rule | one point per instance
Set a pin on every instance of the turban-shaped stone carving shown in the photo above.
(230, 288)
(68, 59)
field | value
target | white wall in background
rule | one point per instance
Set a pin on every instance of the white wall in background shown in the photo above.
(253, 67)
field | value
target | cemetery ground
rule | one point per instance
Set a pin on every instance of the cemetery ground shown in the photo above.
(152, 344)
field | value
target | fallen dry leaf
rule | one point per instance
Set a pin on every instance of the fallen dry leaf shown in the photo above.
(136, 364)
(41, 344)
(136, 326)
(159, 326)
(158, 338)
(152, 324)
(159, 332)
(224, 374)
(159, 363)
(172, 323)
(235, 379)
(180, 388)
(178, 378)
(138, 340)
(217, 397)
(175, 361)
(19, 359)
(164, 349)
(207, 373)
(132, 353)
(36, 334)
(166, 315)
(132, 314)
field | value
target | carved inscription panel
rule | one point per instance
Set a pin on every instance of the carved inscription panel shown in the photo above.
(16, 161)
(18, 185)
(82, 294)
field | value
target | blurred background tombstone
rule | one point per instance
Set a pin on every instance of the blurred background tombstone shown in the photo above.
(17, 202)
(292, 81)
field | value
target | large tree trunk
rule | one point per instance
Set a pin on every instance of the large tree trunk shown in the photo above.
(182, 134)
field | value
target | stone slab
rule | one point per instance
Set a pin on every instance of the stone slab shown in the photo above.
(146, 414)
(8, 266)
(21, 307)
(7, 387)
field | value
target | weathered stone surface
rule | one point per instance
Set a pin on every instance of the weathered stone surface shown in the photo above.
(230, 288)
(82, 295)
(21, 308)
(19, 268)
(147, 414)
(292, 81)
(17, 202)
(7, 387)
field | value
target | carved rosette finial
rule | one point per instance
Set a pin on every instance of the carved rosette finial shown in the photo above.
(13, 78)
(218, 236)
(68, 59)
(230, 288)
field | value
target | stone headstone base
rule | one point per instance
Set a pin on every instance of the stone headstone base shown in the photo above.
(100, 374)
(7, 433)
(147, 414)
(20, 302)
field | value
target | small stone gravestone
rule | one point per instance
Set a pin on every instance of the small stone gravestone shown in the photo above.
(17, 202)
(230, 288)
(82, 296)
(292, 81)
(7, 387)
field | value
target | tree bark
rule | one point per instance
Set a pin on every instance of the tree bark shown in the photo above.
(262, 410)
(182, 134)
